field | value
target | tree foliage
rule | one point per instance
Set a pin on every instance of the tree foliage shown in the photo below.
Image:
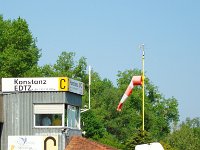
(139, 137)
(18, 50)
(187, 136)
(92, 125)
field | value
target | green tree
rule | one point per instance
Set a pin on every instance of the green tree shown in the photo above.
(41, 71)
(139, 137)
(92, 125)
(186, 136)
(18, 50)
(66, 65)
(103, 101)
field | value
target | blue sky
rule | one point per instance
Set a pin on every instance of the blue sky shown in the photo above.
(108, 33)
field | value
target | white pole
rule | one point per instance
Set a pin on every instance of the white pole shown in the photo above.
(89, 83)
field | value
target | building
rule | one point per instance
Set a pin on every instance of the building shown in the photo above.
(39, 112)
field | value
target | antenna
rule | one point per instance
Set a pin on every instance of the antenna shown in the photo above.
(89, 84)
(85, 107)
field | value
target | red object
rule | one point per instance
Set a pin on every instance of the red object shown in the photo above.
(136, 80)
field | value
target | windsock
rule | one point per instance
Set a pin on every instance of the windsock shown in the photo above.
(136, 80)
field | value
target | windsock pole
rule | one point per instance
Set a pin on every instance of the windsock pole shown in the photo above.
(142, 47)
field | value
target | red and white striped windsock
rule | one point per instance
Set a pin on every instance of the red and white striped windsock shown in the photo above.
(136, 80)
